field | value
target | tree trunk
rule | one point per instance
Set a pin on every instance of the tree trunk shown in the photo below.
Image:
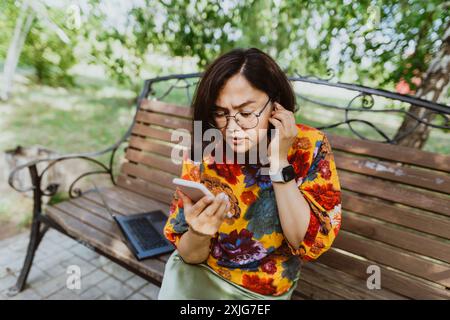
(23, 25)
(433, 86)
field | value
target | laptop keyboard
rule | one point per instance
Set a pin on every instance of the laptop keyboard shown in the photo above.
(147, 236)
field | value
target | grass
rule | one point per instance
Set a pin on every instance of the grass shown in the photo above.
(82, 119)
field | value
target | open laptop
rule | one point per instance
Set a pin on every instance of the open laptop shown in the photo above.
(143, 232)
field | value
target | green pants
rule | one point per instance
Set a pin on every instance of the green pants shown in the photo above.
(183, 281)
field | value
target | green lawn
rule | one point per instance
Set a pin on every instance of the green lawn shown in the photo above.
(81, 119)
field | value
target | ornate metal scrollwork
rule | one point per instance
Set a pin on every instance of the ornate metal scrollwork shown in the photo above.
(363, 101)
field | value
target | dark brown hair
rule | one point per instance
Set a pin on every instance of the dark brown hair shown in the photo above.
(260, 70)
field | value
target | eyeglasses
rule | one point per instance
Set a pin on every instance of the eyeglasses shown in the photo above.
(246, 120)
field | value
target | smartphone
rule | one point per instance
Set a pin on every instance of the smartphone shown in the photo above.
(194, 190)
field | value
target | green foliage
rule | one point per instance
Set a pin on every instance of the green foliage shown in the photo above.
(378, 42)
(8, 16)
(372, 42)
(50, 57)
(44, 51)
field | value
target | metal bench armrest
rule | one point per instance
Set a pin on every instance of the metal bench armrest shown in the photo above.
(52, 188)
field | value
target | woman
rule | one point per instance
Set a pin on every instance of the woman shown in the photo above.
(250, 239)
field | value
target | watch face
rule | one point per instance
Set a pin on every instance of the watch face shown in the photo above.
(288, 173)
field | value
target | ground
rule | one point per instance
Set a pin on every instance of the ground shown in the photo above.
(101, 279)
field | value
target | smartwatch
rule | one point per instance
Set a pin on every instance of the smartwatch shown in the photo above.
(284, 175)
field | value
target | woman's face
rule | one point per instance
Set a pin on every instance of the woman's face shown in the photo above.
(238, 95)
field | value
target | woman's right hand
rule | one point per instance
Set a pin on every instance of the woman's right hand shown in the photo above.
(207, 214)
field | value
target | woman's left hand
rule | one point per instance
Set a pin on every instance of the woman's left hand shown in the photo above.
(284, 121)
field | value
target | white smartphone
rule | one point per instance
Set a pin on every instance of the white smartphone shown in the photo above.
(194, 190)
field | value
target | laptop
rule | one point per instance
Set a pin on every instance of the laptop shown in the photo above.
(143, 232)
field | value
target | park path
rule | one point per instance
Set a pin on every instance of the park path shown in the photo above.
(101, 279)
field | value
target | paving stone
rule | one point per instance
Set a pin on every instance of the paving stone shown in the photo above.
(117, 271)
(19, 245)
(6, 256)
(27, 294)
(84, 252)
(150, 290)
(93, 278)
(114, 288)
(36, 275)
(100, 261)
(8, 241)
(93, 293)
(53, 260)
(53, 235)
(6, 282)
(3, 295)
(14, 265)
(55, 270)
(85, 266)
(137, 296)
(136, 282)
(47, 249)
(101, 278)
(47, 288)
(68, 243)
(3, 272)
(66, 294)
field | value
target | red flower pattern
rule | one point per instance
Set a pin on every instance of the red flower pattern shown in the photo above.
(300, 161)
(228, 171)
(269, 266)
(324, 168)
(248, 197)
(259, 285)
(325, 195)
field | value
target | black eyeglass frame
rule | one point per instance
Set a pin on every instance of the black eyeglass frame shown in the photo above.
(256, 114)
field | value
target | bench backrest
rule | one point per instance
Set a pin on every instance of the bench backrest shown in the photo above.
(396, 201)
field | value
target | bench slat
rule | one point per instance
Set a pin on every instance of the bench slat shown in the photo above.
(402, 238)
(306, 290)
(152, 132)
(154, 147)
(319, 278)
(394, 192)
(148, 174)
(166, 108)
(393, 172)
(407, 217)
(406, 285)
(145, 188)
(163, 121)
(394, 257)
(391, 152)
(157, 162)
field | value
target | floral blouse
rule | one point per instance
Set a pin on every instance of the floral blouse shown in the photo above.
(250, 249)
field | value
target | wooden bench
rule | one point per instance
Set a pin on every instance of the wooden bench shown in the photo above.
(396, 214)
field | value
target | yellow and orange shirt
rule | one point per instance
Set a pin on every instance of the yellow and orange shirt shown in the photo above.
(249, 248)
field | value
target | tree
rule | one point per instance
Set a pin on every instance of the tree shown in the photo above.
(381, 41)
(433, 87)
(23, 25)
